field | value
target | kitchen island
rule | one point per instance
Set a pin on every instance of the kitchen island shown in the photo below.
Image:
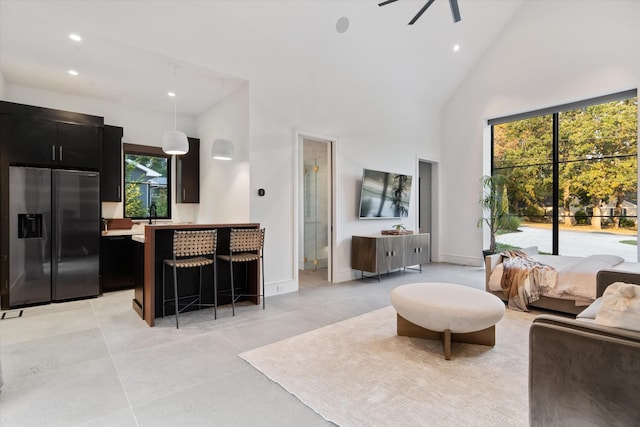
(158, 245)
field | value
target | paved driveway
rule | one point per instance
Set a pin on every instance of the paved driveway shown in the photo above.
(573, 243)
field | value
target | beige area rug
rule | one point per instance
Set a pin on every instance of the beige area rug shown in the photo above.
(358, 372)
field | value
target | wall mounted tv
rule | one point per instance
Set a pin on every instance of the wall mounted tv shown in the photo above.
(384, 195)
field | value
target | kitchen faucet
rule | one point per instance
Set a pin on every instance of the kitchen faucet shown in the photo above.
(153, 212)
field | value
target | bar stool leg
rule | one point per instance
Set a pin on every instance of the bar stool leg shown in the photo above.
(199, 287)
(175, 292)
(215, 289)
(164, 298)
(263, 295)
(233, 295)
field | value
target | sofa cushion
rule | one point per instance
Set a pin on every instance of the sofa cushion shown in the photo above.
(620, 306)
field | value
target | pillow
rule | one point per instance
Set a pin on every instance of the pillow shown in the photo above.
(620, 306)
(532, 250)
(591, 311)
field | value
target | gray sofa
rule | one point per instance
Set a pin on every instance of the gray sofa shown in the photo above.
(582, 373)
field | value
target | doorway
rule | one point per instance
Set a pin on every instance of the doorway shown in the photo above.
(425, 197)
(316, 213)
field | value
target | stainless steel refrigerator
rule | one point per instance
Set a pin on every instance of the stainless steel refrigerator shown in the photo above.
(54, 235)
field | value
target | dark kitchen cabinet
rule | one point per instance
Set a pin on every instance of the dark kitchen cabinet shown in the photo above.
(33, 141)
(111, 171)
(78, 146)
(188, 174)
(117, 263)
(42, 142)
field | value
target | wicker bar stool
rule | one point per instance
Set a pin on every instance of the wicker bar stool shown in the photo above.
(245, 245)
(191, 249)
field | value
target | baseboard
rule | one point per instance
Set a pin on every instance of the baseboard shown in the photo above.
(346, 275)
(282, 287)
(461, 260)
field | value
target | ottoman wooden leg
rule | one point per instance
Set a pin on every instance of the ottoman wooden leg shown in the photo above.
(482, 337)
(446, 342)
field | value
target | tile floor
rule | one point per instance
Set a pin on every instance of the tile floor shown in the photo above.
(96, 363)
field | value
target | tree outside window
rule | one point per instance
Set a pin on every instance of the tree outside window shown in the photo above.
(146, 182)
(577, 166)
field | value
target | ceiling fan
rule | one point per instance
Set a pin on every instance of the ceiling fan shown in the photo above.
(455, 11)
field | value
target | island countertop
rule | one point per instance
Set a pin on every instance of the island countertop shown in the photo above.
(158, 246)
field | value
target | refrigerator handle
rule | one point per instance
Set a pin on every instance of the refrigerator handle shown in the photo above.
(61, 153)
(119, 192)
(53, 152)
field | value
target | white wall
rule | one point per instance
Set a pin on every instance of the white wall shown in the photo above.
(369, 134)
(380, 120)
(552, 52)
(224, 185)
(2, 85)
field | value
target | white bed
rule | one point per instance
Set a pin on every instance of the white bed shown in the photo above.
(575, 284)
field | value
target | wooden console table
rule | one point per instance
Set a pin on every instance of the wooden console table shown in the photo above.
(384, 253)
(158, 245)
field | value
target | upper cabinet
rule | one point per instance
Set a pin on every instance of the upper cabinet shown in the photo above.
(42, 142)
(111, 171)
(79, 146)
(188, 174)
(33, 141)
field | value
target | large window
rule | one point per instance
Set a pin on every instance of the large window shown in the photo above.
(147, 182)
(572, 176)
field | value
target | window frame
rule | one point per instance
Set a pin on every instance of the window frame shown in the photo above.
(555, 112)
(150, 151)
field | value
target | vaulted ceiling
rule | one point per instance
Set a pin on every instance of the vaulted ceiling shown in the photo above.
(129, 48)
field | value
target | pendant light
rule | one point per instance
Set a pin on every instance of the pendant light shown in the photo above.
(174, 141)
(222, 149)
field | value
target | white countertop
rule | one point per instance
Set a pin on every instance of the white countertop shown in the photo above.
(129, 232)
(136, 229)
(138, 238)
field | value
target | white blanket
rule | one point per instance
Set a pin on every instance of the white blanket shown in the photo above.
(579, 280)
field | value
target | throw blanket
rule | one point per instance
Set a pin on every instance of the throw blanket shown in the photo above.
(524, 279)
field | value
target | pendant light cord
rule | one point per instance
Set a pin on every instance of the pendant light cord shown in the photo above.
(175, 95)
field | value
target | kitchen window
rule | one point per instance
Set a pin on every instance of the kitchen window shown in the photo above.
(147, 182)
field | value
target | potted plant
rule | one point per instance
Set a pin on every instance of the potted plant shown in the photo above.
(494, 205)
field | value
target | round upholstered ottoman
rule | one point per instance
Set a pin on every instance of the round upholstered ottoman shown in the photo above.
(447, 312)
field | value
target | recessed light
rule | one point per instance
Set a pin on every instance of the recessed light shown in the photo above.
(73, 72)
(171, 94)
(456, 47)
(75, 37)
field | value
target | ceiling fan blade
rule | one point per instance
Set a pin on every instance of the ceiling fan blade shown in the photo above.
(386, 2)
(455, 11)
(419, 14)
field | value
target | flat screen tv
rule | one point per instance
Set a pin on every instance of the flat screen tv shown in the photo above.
(384, 195)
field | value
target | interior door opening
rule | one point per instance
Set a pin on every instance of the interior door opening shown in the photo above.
(425, 190)
(316, 213)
